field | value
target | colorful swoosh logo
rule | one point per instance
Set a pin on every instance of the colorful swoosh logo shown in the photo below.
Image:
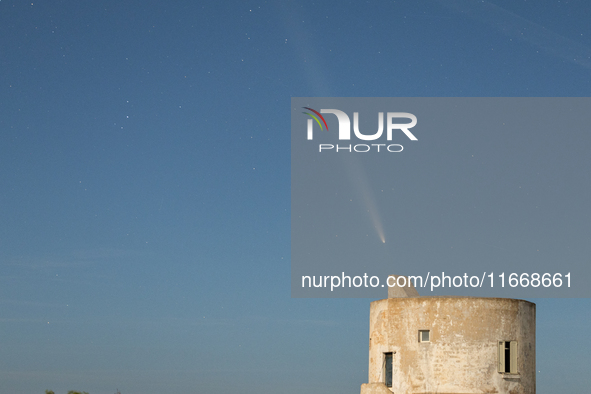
(316, 118)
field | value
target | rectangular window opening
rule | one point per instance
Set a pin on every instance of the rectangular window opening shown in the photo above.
(388, 369)
(508, 357)
(424, 336)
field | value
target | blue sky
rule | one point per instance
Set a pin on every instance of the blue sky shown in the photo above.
(145, 181)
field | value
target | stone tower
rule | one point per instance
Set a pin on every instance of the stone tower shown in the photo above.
(451, 345)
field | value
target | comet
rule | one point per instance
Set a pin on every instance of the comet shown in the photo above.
(360, 180)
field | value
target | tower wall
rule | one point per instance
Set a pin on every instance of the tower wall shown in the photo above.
(463, 352)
